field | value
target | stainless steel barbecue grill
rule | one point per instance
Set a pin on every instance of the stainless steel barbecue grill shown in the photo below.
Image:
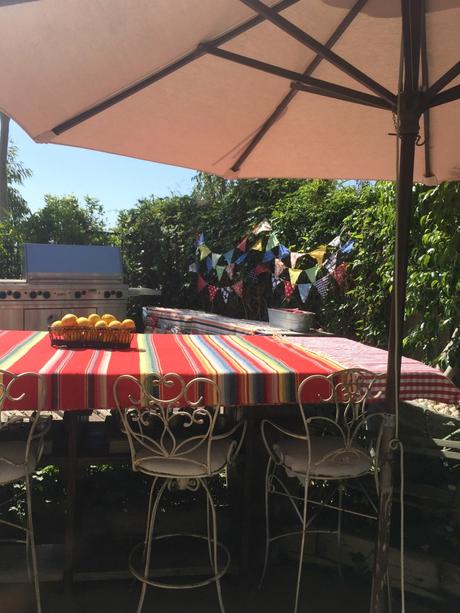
(59, 279)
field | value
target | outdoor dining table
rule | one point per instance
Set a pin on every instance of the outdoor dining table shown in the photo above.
(252, 371)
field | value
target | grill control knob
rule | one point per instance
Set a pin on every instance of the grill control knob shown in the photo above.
(106, 294)
(119, 294)
(33, 295)
(2, 295)
(77, 294)
(46, 295)
(16, 295)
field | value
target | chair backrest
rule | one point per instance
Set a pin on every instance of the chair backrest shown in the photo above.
(175, 426)
(12, 390)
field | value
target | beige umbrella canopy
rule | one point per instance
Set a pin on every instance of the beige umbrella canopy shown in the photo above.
(169, 81)
(244, 88)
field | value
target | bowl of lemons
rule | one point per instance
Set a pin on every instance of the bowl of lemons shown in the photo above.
(96, 331)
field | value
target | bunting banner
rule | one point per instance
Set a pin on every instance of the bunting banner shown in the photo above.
(193, 267)
(230, 269)
(242, 245)
(335, 243)
(272, 242)
(340, 273)
(318, 253)
(213, 291)
(200, 239)
(268, 256)
(201, 283)
(322, 285)
(241, 259)
(252, 275)
(294, 257)
(279, 267)
(263, 226)
(348, 247)
(283, 251)
(257, 246)
(225, 292)
(304, 290)
(220, 272)
(294, 274)
(228, 255)
(288, 290)
(261, 269)
(331, 263)
(209, 265)
(215, 258)
(275, 281)
(204, 251)
(311, 273)
(238, 288)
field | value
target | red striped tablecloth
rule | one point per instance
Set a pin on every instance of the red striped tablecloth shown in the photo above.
(250, 370)
(417, 379)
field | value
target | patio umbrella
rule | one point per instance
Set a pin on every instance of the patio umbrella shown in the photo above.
(241, 88)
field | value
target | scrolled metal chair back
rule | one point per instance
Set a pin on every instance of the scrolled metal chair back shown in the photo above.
(11, 393)
(169, 428)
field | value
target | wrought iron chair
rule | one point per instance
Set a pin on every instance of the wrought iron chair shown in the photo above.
(341, 445)
(19, 458)
(174, 438)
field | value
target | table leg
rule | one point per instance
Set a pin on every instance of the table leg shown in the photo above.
(71, 419)
(248, 483)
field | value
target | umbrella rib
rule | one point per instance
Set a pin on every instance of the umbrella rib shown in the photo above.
(271, 120)
(164, 72)
(308, 41)
(444, 80)
(448, 95)
(321, 87)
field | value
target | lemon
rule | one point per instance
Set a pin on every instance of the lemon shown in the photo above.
(83, 322)
(107, 317)
(128, 323)
(93, 318)
(115, 324)
(69, 320)
(100, 324)
(56, 324)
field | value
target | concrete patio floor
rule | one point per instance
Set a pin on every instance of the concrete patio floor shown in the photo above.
(322, 591)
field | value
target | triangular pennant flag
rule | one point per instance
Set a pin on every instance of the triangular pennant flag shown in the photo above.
(263, 226)
(238, 288)
(272, 242)
(335, 243)
(348, 247)
(294, 274)
(275, 281)
(258, 246)
(200, 239)
(242, 245)
(268, 256)
(331, 262)
(311, 273)
(215, 258)
(304, 290)
(261, 269)
(204, 251)
(283, 251)
(294, 257)
(228, 255)
(318, 253)
(241, 259)
(212, 292)
(288, 290)
(322, 285)
(220, 271)
(340, 273)
(209, 265)
(225, 292)
(193, 267)
(201, 283)
(230, 269)
(279, 267)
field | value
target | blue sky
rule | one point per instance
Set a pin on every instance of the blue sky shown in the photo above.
(117, 181)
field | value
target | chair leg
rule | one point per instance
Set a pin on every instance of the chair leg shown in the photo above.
(149, 512)
(148, 539)
(268, 474)
(302, 542)
(211, 536)
(210, 503)
(339, 530)
(31, 539)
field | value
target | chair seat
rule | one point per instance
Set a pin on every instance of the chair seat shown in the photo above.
(192, 464)
(351, 462)
(15, 451)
